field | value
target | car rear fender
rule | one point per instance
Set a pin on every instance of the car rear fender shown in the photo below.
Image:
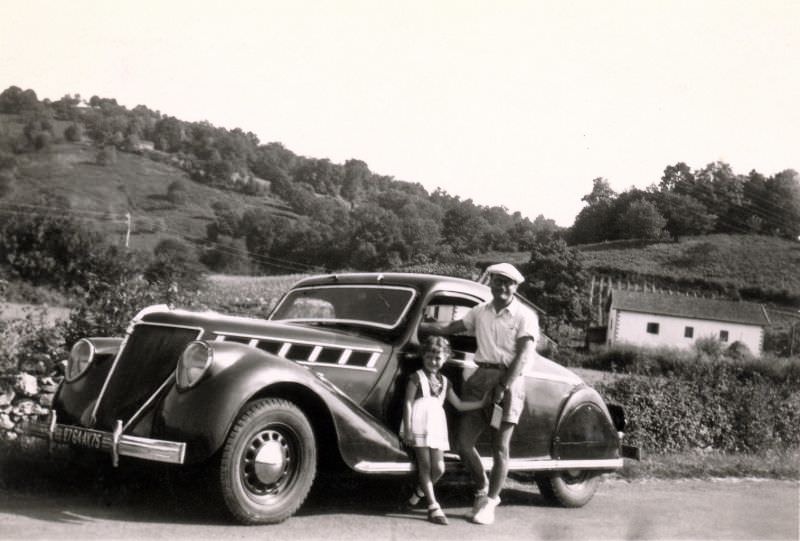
(585, 429)
(203, 415)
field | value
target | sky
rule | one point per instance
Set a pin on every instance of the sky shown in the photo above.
(511, 103)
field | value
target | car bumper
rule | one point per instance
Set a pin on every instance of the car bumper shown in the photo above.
(115, 443)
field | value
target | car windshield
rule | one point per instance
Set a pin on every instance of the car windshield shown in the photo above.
(378, 306)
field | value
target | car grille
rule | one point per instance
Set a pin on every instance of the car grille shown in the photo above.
(149, 358)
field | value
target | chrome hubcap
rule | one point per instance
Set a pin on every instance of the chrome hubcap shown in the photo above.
(267, 463)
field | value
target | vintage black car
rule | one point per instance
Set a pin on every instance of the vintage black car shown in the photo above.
(264, 403)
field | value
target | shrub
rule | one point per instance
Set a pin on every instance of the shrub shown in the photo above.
(174, 262)
(106, 155)
(30, 344)
(58, 251)
(718, 404)
(73, 132)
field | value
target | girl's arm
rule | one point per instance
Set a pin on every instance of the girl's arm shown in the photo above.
(466, 405)
(411, 392)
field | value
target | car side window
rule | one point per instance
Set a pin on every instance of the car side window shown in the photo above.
(446, 308)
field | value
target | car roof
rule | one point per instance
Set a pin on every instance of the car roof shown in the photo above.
(419, 281)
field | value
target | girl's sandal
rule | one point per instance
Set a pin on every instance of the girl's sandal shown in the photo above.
(414, 500)
(436, 515)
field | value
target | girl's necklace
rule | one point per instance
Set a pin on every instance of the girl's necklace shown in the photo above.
(435, 383)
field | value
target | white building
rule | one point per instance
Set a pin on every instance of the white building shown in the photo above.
(659, 319)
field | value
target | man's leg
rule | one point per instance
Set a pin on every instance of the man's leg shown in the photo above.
(470, 427)
(500, 450)
(500, 454)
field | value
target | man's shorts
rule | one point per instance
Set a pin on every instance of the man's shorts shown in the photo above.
(486, 379)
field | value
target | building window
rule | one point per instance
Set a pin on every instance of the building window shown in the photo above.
(688, 332)
(652, 328)
(723, 336)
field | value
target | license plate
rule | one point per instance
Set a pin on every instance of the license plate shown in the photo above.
(83, 437)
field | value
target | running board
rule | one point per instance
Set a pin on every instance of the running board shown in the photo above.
(514, 464)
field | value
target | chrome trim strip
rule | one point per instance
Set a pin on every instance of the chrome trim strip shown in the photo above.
(122, 346)
(373, 360)
(345, 356)
(515, 464)
(172, 452)
(284, 349)
(345, 366)
(282, 339)
(137, 413)
(115, 443)
(314, 354)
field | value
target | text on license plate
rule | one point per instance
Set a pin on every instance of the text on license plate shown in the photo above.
(79, 436)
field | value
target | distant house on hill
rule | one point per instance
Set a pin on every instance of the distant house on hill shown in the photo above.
(659, 319)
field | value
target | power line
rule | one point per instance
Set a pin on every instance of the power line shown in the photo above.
(14, 206)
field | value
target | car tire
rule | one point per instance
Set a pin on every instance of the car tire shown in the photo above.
(569, 488)
(268, 462)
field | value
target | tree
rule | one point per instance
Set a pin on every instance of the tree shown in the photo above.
(177, 193)
(376, 238)
(783, 202)
(464, 229)
(14, 100)
(684, 214)
(642, 220)
(356, 175)
(677, 178)
(601, 192)
(592, 224)
(555, 280)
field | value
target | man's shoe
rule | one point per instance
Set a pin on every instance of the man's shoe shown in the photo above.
(486, 514)
(478, 503)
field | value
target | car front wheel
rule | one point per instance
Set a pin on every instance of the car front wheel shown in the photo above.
(568, 488)
(268, 462)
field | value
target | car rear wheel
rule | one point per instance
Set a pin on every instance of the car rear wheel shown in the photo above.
(268, 462)
(568, 488)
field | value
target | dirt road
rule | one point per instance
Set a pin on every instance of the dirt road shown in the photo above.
(117, 506)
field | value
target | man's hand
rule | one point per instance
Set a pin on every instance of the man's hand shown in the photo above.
(499, 393)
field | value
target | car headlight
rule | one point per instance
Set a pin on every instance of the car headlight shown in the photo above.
(193, 364)
(80, 357)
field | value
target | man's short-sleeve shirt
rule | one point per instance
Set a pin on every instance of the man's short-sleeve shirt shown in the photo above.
(497, 332)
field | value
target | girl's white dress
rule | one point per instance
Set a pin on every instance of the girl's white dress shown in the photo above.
(428, 422)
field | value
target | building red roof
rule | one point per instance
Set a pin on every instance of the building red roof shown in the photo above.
(689, 307)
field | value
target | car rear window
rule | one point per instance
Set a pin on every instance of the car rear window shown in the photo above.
(380, 306)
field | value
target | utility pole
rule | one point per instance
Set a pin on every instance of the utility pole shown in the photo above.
(128, 232)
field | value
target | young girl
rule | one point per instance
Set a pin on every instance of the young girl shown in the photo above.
(424, 424)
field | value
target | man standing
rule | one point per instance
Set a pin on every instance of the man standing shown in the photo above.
(506, 333)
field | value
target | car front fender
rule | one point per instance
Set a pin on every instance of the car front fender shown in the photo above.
(203, 415)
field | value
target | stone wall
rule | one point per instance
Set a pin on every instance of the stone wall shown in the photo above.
(24, 396)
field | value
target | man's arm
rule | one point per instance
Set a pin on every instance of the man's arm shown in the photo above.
(442, 329)
(524, 350)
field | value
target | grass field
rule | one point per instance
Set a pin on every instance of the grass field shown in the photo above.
(745, 261)
(246, 295)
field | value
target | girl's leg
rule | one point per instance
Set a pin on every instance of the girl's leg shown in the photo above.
(430, 464)
(437, 465)
(424, 472)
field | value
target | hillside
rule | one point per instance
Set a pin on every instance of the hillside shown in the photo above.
(67, 175)
(745, 262)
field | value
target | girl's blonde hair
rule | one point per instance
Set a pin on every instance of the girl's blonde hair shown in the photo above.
(437, 342)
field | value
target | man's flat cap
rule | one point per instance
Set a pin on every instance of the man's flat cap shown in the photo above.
(508, 270)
